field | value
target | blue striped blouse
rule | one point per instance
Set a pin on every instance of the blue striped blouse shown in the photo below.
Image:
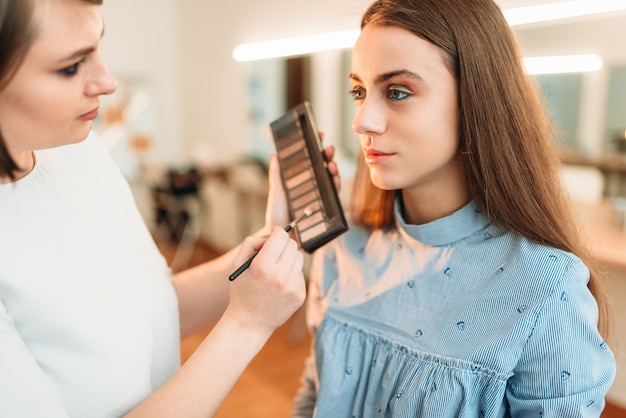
(454, 318)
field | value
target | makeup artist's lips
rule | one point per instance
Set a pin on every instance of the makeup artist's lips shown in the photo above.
(375, 157)
(89, 115)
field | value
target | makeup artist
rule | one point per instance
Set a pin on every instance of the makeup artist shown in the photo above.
(90, 314)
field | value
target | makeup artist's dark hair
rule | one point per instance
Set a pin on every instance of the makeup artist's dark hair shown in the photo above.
(506, 138)
(17, 33)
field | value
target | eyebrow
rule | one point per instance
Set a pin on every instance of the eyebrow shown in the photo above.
(387, 76)
(81, 52)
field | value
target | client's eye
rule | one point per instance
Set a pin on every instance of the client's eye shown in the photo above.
(397, 94)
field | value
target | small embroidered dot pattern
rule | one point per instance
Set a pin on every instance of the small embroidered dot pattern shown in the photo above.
(470, 310)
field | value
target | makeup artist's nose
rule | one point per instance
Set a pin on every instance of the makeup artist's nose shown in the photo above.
(101, 81)
(369, 118)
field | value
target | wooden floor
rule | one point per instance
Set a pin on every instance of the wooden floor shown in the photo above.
(267, 387)
(613, 411)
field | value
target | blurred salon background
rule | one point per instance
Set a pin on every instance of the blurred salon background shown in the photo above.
(189, 127)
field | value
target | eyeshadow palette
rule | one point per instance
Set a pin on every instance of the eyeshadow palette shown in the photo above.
(306, 178)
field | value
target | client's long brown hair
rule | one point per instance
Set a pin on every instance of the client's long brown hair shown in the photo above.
(506, 138)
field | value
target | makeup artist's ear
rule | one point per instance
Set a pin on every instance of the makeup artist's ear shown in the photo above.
(277, 211)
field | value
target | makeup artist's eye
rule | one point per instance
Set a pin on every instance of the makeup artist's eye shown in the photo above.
(395, 93)
(72, 70)
(357, 93)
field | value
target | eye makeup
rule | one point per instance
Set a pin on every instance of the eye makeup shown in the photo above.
(305, 175)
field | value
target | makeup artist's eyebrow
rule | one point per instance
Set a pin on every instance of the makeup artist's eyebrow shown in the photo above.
(387, 76)
(79, 53)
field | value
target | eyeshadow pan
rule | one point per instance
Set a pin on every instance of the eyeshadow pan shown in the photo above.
(293, 137)
(301, 189)
(299, 179)
(289, 150)
(296, 168)
(313, 232)
(305, 199)
(311, 220)
(300, 155)
(314, 206)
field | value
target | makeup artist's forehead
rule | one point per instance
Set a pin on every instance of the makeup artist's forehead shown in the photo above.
(66, 26)
(383, 50)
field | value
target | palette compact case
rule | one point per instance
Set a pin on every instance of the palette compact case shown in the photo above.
(305, 176)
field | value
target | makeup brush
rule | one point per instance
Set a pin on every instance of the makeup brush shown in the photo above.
(307, 212)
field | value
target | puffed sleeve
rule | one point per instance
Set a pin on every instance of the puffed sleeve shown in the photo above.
(566, 368)
(25, 390)
(321, 267)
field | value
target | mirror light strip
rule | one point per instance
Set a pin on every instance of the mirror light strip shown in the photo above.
(346, 39)
(295, 46)
(563, 64)
(561, 10)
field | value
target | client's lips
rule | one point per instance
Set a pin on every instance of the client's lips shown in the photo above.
(373, 156)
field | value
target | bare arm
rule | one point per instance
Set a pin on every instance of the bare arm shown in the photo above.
(260, 300)
(203, 290)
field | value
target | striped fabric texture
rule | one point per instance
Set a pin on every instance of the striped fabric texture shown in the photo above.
(455, 318)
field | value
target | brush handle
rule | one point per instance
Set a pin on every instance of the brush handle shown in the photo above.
(241, 268)
(245, 265)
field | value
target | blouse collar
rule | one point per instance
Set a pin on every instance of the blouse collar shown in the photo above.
(443, 231)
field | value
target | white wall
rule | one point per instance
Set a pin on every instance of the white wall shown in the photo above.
(216, 109)
(183, 49)
(142, 40)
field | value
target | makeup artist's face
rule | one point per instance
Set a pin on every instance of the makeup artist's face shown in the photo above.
(406, 110)
(54, 95)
